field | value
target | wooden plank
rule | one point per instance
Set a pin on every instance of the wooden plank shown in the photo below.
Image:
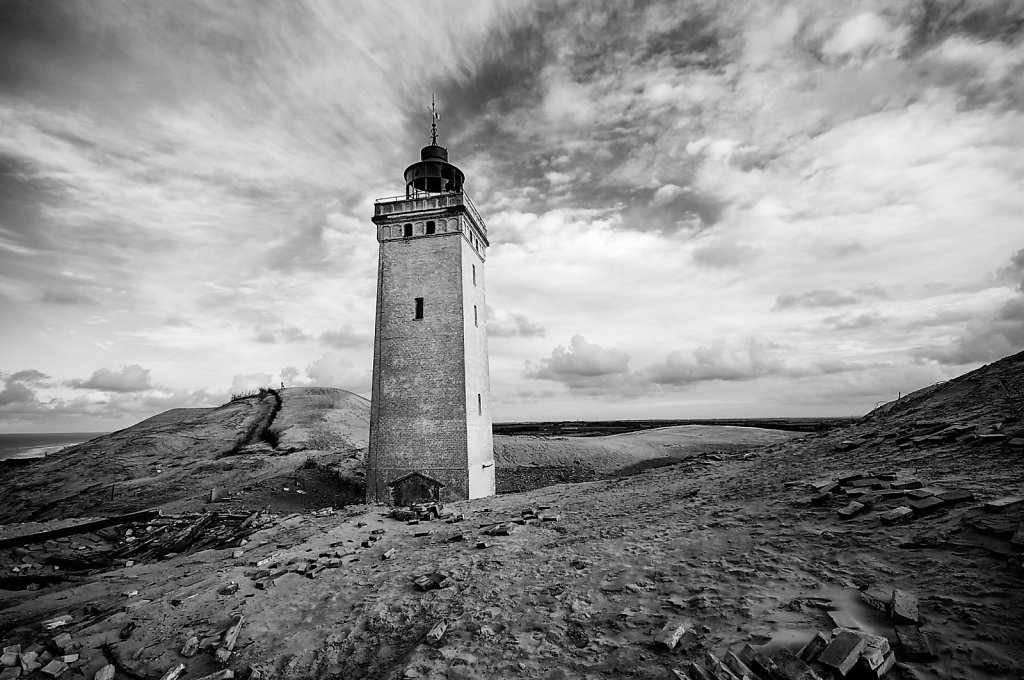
(83, 528)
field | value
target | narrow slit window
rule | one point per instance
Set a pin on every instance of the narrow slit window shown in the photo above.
(475, 322)
(474, 274)
(479, 404)
(419, 308)
(407, 230)
(430, 227)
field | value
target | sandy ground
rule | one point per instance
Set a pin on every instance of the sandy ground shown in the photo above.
(718, 545)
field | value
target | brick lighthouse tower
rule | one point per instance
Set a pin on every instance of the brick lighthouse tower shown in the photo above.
(430, 418)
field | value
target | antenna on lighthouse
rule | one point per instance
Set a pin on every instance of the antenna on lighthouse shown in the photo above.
(434, 117)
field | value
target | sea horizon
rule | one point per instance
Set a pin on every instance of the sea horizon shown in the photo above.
(32, 444)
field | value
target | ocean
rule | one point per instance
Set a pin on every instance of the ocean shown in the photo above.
(29, 445)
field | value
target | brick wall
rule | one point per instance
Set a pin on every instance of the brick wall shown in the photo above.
(428, 372)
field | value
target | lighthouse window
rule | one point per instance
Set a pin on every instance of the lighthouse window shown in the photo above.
(474, 316)
(479, 405)
(408, 229)
(474, 274)
(419, 308)
(430, 227)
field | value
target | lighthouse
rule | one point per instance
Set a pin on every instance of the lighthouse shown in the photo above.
(430, 416)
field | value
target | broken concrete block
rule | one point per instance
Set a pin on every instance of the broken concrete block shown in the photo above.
(388, 554)
(760, 663)
(740, 669)
(105, 673)
(864, 670)
(1018, 536)
(69, 658)
(670, 635)
(225, 674)
(906, 484)
(55, 668)
(868, 482)
(851, 510)
(10, 659)
(853, 476)
(904, 607)
(1001, 504)
(877, 597)
(824, 486)
(890, 494)
(436, 633)
(914, 643)
(174, 673)
(223, 652)
(14, 648)
(482, 544)
(820, 499)
(717, 668)
(896, 515)
(958, 496)
(228, 589)
(841, 619)
(30, 662)
(918, 494)
(549, 518)
(191, 647)
(792, 668)
(813, 649)
(927, 505)
(842, 652)
(697, 672)
(10, 673)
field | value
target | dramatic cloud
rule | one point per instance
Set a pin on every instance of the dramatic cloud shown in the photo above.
(582, 364)
(14, 393)
(511, 325)
(132, 378)
(813, 183)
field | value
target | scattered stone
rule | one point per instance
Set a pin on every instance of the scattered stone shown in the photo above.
(388, 554)
(820, 499)
(1018, 536)
(10, 674)
(30, 662)
(549, 518)
(865, 670)
(378, 532)
(813, 649)
(235, 554)
(842, 652)
(127, 630)
(482, 544)
(432, 581)
(904, 607)
(57, 668)
(851, 510)
(759, 662)
(792, 668)
(914, 643)
(225, 674)
(927, 505)
(69, 658)
(958, 496)
(1001, 504)
(457, 538)
(737, 666)
(852, 477)
(890, 494)
(877, 597)
(920, 493)
(437, 632)
(421, 534)
(868, 482)
(907, 484)
(223, 652)
(897, 515)
(670, 634)
(228, 589)
(174, 673)
(824, 486)
(10, 659)
(191, 647)
(697, 672)
(15, 648)
(841, 619)
(105, 673)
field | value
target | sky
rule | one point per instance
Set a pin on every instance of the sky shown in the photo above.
(696, 209)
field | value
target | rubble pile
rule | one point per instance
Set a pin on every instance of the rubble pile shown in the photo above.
(844, 651)
(35, 560)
